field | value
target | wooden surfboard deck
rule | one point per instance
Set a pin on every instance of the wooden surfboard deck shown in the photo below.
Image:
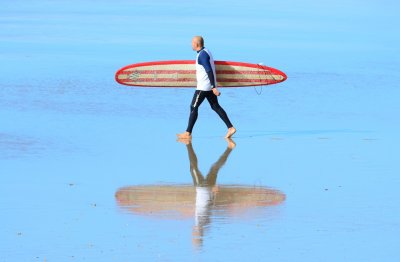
(182, 73)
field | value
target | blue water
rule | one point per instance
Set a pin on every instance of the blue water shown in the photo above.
(327, 138)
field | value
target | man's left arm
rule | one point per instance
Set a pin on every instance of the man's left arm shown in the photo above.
(204, 60)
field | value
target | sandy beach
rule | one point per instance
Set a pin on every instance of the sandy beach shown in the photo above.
(91, 170)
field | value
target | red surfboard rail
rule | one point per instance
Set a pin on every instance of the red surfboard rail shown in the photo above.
(182, 73)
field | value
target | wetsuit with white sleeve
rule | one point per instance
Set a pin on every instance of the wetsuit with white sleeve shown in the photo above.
(206, 81)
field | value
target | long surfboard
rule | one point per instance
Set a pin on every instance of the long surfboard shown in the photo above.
(182, 73)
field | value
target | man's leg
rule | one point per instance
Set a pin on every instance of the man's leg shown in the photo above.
(213, 100)
(198, 98)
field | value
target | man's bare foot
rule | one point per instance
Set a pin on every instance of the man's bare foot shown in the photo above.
(185, 135)
(231, 143)
(230, 133)
(185, 141)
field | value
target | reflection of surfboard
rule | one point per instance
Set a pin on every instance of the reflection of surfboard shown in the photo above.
(182, 73)
(180, 200)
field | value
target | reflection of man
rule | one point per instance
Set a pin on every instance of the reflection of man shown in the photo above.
(206, 189)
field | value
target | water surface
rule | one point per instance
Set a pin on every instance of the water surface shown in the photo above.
(91, 170)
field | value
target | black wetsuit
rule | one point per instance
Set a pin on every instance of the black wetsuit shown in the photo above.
(204, 59)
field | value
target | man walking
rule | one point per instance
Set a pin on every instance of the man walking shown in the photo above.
(206, 88)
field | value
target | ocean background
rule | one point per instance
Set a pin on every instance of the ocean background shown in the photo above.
(326, 138)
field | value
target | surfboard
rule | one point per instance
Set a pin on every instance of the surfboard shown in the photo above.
(182, 73)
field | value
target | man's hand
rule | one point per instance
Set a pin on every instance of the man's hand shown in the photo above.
(216, 92)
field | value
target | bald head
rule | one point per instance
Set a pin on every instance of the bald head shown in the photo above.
(197, 43)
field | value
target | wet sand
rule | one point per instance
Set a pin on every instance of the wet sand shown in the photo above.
(92, 171)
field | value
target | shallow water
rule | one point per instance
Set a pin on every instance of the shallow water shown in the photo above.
(324, 142)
